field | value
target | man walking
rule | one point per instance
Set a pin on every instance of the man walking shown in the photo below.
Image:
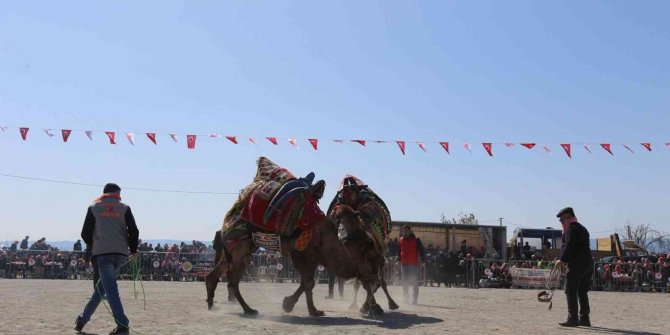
(109, 231)
(411, 253)
(576, 253)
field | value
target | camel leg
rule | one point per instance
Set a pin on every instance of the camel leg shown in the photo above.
(309, 285)
(370, 307)
(357, 285)
(392, 303)
(212, 280)
(290, 301)
(237, 268)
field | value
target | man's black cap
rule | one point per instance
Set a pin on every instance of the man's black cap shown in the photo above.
(111, 188)
(566, 210)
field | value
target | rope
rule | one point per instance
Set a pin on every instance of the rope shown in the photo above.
(136, 273)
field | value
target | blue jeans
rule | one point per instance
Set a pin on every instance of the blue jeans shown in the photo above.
(108, 266)
(410, 276)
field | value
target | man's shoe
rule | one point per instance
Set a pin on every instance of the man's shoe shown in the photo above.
(120, 331)
(78, 326)
(585, 322)
(570, 323)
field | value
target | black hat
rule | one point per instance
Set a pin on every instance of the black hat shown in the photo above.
(566, 210)
(111, 188)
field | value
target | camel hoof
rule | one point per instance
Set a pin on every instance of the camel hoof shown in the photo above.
(393, 306)
(288, 305)
(210, 303)
(317, 313)
(251, 312)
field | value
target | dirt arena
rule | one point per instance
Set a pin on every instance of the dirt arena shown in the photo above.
(50, 307)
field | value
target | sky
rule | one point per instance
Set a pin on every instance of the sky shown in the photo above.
(463, 72)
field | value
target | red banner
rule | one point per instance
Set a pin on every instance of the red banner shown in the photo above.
(401, 145)
(152, 137)
(445, 145)
(361, 142)
(528, 145)
(607, 147)
(111, 136)
(422, 147)
(190, 141)
(272, 140)
(488, 148)
(232, 139)
(314, 142)
(24, 132)
(66, 134)
(567, 148)
(647, 146)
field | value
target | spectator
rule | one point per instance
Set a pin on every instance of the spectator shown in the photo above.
(14, 246)
(24, 243)
(411, 255)
(77, 246)
(159, 248)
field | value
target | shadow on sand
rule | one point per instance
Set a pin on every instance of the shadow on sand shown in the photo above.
(390, 320)
(603, 330)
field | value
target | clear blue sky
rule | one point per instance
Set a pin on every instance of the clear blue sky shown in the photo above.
(435, 71)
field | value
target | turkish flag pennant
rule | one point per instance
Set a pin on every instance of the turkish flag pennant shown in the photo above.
(647, 146)
(587, 148)
(152, 137)
(232, 139)
(607, 147)
(509, 145)
(66, 134)
(252, 140)
(190, 141)
(111, 136)
(422, 146)
(89, 134)
(567, 148)
(273, 140)
(293, 142)
(24, 132)
(401, 145)
(48, 132)
(131, 138)
(488, 148)
(467, 147)
(528, 145)
(445, 145)
(361, 142)
(174, 137)
(314, 142)
(628, 148)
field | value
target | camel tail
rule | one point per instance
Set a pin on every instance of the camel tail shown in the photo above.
(217, 243)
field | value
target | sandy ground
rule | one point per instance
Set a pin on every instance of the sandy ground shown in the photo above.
(50, 307)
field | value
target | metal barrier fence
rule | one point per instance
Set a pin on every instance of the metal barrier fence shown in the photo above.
(632, 277)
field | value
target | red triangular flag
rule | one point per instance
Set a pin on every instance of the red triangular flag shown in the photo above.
(111, 135)
(252, 140)
(273, 140)
(293, 142)
(66, 134)
(190, 141)
(647, 145)
(422, 146)
(401, 145)
(467, 147)
(361, 142)
(488, 147)
(232, 139)
(24, 132)
(528, 145)
(152, 137)
(607, 148)
(445, 145)
(667, 145)
(567, 147)
(509, 145)
(314, 142)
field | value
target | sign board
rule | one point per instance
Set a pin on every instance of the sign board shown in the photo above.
(535, 278)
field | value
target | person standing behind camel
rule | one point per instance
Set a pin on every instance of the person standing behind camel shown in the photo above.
(411, 254)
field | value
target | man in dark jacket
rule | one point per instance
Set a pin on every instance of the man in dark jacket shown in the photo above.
(576, 253)
(109, 232)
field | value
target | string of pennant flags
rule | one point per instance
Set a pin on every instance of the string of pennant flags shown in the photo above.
(191, 140)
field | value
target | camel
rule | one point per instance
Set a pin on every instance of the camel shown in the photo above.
(362, 259)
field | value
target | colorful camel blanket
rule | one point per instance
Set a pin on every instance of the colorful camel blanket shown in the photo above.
(374, 212)
(273, 204)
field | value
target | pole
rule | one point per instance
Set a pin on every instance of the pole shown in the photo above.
(500, 221)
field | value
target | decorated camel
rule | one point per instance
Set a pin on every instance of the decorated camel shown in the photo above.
(375, 216)
(280, 212)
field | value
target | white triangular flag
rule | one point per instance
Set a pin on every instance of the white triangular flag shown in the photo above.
(131, 138)
(214, 135)
(174, 137)
(547, 149)
(293, 142)
(252, 140)
(48, 132)
(467, 147)
(588, 148)
(89, 134)
(3, 128)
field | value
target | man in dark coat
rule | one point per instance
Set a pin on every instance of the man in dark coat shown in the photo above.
(576, 254)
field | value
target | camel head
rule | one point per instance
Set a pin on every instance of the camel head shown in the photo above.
(349, 218)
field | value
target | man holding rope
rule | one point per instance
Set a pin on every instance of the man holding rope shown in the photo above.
(109, 231)
(576, 254)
